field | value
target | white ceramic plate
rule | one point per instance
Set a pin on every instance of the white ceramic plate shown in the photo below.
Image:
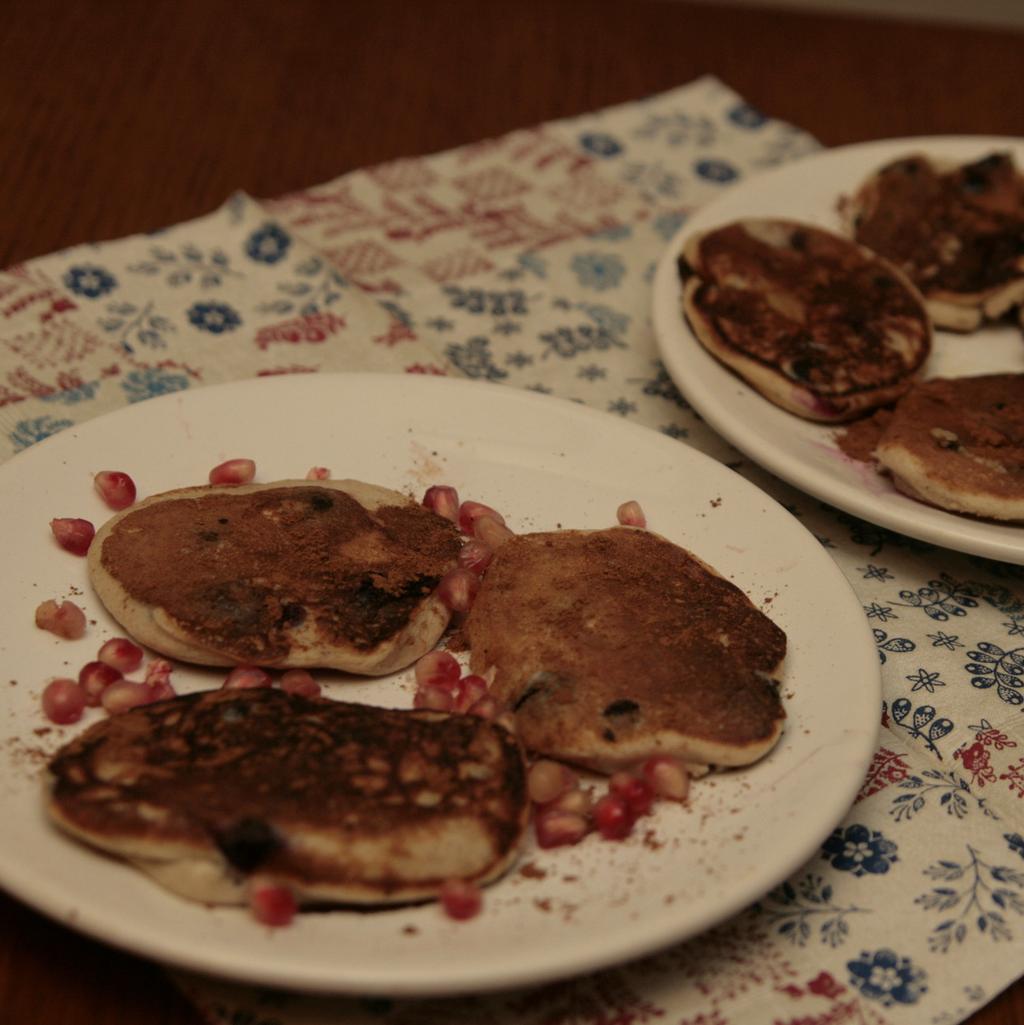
(545, 463)
(803, 453)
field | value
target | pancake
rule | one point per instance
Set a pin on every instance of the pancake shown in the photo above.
(615, 645)
(294, 574)
(956, 231)
(958, 443)
(820, 326)
(338, 802)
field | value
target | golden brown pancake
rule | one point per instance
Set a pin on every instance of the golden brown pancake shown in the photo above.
(292, 574)
(958, 443)
(614, 645)
(956, 231)
(338, 802)
(817, 324)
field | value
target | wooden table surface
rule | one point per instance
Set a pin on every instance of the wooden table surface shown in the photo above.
(119, 116)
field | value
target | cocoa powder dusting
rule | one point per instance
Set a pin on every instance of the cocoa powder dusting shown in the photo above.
(243, 571)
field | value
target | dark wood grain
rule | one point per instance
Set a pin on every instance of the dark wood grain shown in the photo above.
(117, 117)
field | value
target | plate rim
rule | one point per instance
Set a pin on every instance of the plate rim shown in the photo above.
(115, 930)
(905, 515)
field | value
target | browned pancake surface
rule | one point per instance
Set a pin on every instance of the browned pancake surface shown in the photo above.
(965, 433)
(811, 308)
(249, 776)
(958, 231)
(606, 641)
(239, 571)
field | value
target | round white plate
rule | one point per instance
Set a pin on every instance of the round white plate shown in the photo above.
(798, 451)
(544, 463)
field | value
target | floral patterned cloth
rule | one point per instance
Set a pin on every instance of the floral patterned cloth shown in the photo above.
(528, 259)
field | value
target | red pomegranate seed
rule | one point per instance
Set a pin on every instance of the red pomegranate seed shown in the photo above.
(94, 678)
(576, 800)
(122, 654)
(117, 489)
(246, 678)
(122, 695)
(437, 699)
(547, 780)
(318, 473)
(458, 588)
(443, 500)
(65, 620)
(556, 828)
(613, 817)
(233, 471)
(73, 535)
(162, 690)
(631, 515)
(63, 701)
(460, 899)
(667, 777)
(300, 681)
(272, 905)
(490, 531)
(470, 512)
(475, 556)
(158, 680)
(636, 792)
(438, 669)
(469, 690)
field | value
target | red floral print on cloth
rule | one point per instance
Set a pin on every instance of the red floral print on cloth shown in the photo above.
(1015, 778)
(311, 327)
(887, 767)
(977, 761)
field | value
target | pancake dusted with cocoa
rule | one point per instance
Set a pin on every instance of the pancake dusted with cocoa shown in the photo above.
(956, 231)
(293, 574)
(958, 443)
(337, 802)
(614, 645)
(816, 323)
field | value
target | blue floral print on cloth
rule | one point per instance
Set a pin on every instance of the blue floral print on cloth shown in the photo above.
(527, 261)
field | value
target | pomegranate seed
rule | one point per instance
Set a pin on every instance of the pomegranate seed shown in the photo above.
(637, 793)
(469, 690)
(65, 620)
(443, 500)
(122, 654)
(556, 828)
(667, 777)
(486, 708)
(299, 681)
(117, 489)
(272, 905)
(73, 535)
(438, 669)
(158, 680)
(318, 473)
(437, 699)
(631, 515)
(470, 512)
(613, 817)
(475, 556)
(490, 531)
(576, 800)
(547, 780)
(246, 678)
(458, 588)
(460, 899)
(162, 691)
(233, 471)
(63, 701)
(94, 678)
(122, 695)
